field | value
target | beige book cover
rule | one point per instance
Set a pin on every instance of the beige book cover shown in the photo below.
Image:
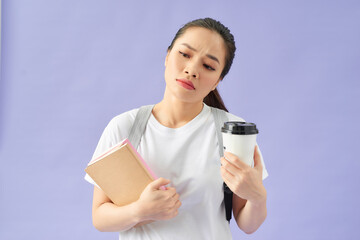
(121, 173)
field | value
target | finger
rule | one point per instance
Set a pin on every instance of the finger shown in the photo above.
(231, 168)
(171, 191)
(227, 176)
(223, 168)
(178, 204)
(156, 184)
(174, 201)
(177, 196)
(257, 159)
(174, 205)
(235, 160)
(174, 197)
(175, 213)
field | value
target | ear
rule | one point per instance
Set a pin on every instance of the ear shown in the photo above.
(217, 83)
(166, 58)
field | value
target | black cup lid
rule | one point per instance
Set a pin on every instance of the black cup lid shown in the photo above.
(240, 128)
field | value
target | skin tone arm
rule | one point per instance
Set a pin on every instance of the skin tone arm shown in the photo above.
(249, 199)
(153, 204)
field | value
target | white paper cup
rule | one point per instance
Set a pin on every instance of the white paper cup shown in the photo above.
(239, 138)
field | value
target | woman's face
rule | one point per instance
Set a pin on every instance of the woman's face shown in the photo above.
(194, 65)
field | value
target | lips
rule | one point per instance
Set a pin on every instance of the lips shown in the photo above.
(186, 84)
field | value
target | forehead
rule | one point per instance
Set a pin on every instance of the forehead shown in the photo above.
(204, 41)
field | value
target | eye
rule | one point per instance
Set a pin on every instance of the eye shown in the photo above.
(184, 54)
(208, 67)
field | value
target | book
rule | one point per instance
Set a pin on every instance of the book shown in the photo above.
(121, 173)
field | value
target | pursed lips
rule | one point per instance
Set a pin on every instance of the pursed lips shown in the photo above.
(187, 82)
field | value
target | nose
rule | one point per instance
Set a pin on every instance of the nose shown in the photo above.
(193, 75)
(191, 70)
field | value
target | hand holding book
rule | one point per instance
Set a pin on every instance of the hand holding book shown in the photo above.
(125, 178)
(159, 205)
(154, 204)
(121, 173)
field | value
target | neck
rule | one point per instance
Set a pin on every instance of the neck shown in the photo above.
(174, 113)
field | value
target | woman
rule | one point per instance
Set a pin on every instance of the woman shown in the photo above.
(180, 145)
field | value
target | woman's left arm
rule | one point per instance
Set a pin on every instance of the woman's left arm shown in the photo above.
(249, 200)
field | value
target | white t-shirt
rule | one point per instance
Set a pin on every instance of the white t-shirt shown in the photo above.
(189, 157)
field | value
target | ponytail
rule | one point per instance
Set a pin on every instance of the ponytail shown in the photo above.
(213, 99)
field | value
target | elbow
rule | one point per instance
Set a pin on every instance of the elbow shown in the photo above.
(248, 232)
(99, 229)
(98, 223)
(251, 228)
(98, 226)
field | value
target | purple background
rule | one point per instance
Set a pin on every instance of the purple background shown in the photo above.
(68, 67)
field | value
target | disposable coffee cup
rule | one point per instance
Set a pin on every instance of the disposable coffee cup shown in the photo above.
(239, 138)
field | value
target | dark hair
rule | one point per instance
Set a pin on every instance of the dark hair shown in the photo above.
(213, 99)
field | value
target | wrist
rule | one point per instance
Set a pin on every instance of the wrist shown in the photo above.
(138, 212)
(260, 199)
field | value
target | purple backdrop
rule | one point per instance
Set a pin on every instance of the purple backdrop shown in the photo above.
(68, 67)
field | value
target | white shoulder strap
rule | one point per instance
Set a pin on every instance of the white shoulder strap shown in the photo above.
(219, 117)
(138, 128)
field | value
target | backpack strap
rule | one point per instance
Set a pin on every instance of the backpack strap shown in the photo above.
(139, 125)
(220, 117)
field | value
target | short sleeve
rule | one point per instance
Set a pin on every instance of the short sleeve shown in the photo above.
(106, 141)
(115, 132)
(265, 173)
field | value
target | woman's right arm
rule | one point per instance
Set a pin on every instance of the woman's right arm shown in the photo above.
(107, 217)
(153, 204)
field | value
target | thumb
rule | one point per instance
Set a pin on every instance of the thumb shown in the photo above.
(257, 159)
(156, 184)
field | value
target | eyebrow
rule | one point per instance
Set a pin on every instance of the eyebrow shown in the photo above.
(208, 55)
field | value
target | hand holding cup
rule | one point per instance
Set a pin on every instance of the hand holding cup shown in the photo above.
(241, 167)
(242, 179)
